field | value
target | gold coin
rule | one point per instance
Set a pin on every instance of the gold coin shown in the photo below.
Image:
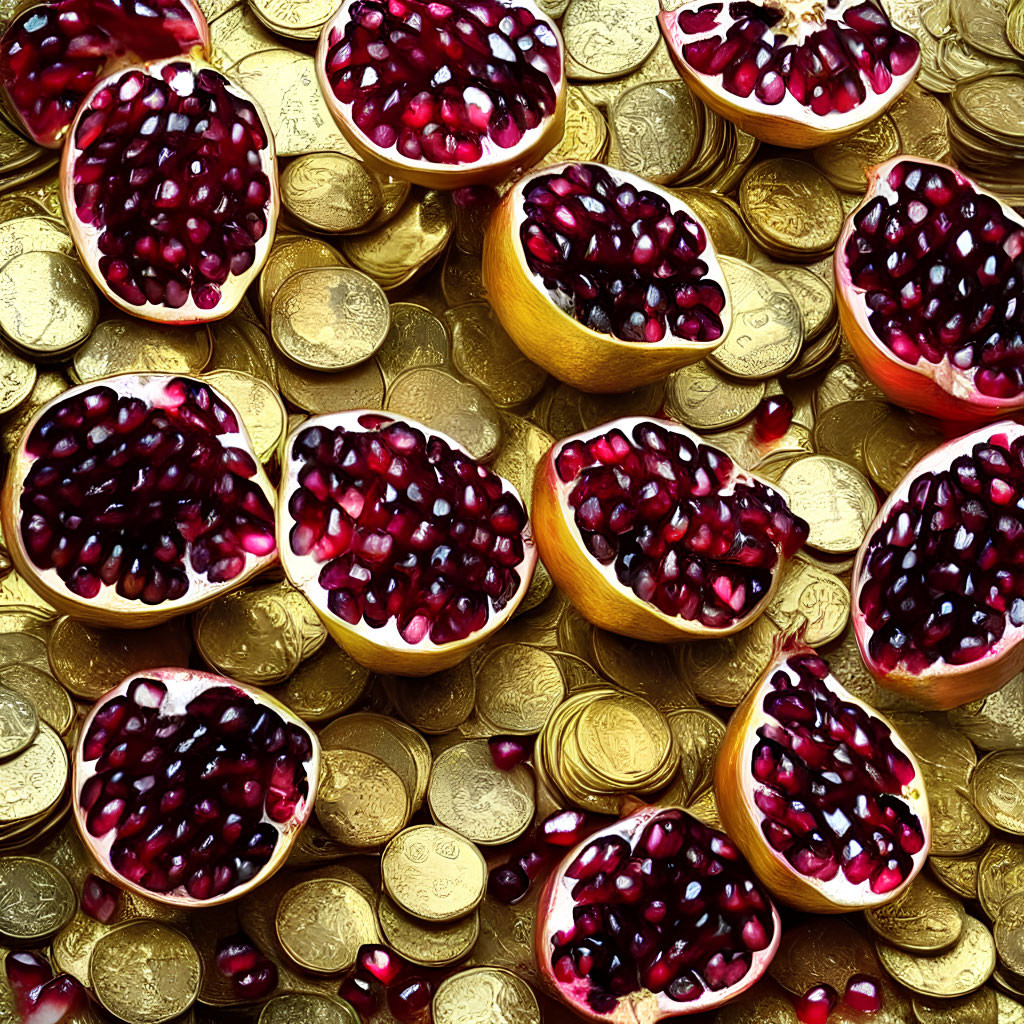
(1010, 1011)
(842, 430)
(1009, 934)
(704, 399)
(242, 346)
(438, 703)
(307, 1008)
(470, 795)
(137, 346)
(416, 338)
(433, 873)
(846, 161)
(237, 32)
(655, 130)
(606, 39)
(821, 951)
(815, 297)
(330, 192)
(15, 151)
(32, 782)
(517, 687)
(763, 1004)
(33, 234)
(623, 739)
(941, 750)
(980, 1007)
(767, 330)
(585, 135)
(17, 378)
(322, 923)
(52, 703)
(324, 686)
(923, 125)
(922, 919)
(646, 670)
(485, 994)
(834, 498)
(722, 670)
(259, 405)
(959, 874)
(288, 255)
(430, 945)
(362, 387)
(72, 946)
(19, 723)
(296, 19)
(844, 382)
(48, 304)
(523, 446)
(994, 722)
(956, 972)
(812, 601)
(361, 802)
(896, 444)
(698, 734)
(957, 828)
(145, 972)
(999, 875)
(996, 790)
(37, 899)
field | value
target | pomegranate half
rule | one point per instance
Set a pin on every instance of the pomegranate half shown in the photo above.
(654, 916)
(604, 279)
(411, 551)
(135, 499)
(655, 534)
(938, 590)
(820, 792)
(445, 94)
(189, 788)
(796, 73)
(929, 270)
(53, 53)
(169, 187)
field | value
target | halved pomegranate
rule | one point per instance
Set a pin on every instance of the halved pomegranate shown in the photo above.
(445, 94)
(189, 788)
(655, 534)
(929, 270)
(820, 792)
(938, 590)
(135, 499)
(604, 279)
(169, 187)
(795, 73)
(411, 551)
(53, 53)
(654, 916)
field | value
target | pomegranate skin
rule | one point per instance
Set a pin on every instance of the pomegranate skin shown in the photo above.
(939, 686)
(493, 166)
(384, 649)
(936, 389)
(547, 335)
(108, 608)
(735, 786)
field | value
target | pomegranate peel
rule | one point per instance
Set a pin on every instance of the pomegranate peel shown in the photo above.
(411, 552)
(819, 791)
(654, 534)
(926, 249)
(553, 295)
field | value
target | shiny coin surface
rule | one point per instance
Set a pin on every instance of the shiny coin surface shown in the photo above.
(317, 393)
(17, 378)
(135, 346)
(484, 994)
(33, 781)
(324, 686)
(289, 255)
(37, 899)
(957, 972)
(895, 444)
(307, 1008)
(981, 1007)
(430, 945)
(997, 790)
(1009, 934)
(517, 687)
(416, 338)
(606, 39)
(330, 192)
(51, 701)
(924, 918)
(259, 405)
(704, 399)
(19, 723)
(361, 802)
(999, 875)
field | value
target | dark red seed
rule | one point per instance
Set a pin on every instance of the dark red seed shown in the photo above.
(508, 751)
(815, 1005)
(409, 1000)
(100, 898)
(773, 417)
(863, 993)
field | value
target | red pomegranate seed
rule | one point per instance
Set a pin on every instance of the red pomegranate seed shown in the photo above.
(815, 1005)
(508, 751)
(410, 999)
(508, 883)
(100, 898)
(40, 997)
(773, 417)
(380, 963)
(863, 993)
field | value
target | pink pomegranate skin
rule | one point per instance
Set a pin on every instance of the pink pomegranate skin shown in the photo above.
(938, 596)
(928, 274)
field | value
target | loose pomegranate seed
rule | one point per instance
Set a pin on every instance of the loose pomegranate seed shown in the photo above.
(620, 260)
(100, 899)
(380, 963)
(40, 997)
(252, 975)
(815, 1005)
(360, 993)
(508, 751)
(508, 883)
(863, 993)
(410, 999)
(773, 417)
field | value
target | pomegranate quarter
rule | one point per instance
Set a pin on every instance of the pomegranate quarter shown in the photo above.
(796, 73)
(135, 499)
(819, 791)
(602, 278)
(445, 94)
(190, 788)
(656, 535)
(938, 592)
(412, 552)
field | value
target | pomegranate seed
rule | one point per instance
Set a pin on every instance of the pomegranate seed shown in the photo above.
(410, 999)
(815, 1005)
(508, 752)
(863, 993)
(100, 899)
(773, 417)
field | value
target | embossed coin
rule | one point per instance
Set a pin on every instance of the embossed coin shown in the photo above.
(17, 377)
(136, 346)
(959, 874)
(307, 1008)
(956, 972)
(36, 899)
(704, 399)
(811, 600)
(51, 701)
(517, 687)
(922, 919)
(324, 686)
(655, 130)
(1009, 934)
(981, 1007)
(330, 192)
(722, 670)
(484, 995)
(623, 740)
(416, 338)
(296, 19)
(846, 161)
(1000, 875)
(815, 297)
(33, 781)
(19, 723)
(997, 790)
(895, 444)
(698, 734)
(994, 722)
(362, 387)
(439, 703)
(606, 39)
(33, 234)
(361, 802)
(431, 945)
(842, 430)
(289, 255)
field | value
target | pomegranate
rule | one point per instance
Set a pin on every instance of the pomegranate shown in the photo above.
(189, 788)
(445, 94)
(135, 499)
(795, 73)
(938, 596)
(928, 269)
(819, 790)
(52, 53)
(602, 278)
(654, 916)
(39, 997)
(252, 975)
(655, 534)
(169, 187)
(411, 551)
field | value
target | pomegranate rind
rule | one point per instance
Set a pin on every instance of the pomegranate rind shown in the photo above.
(384, 649)
(941, 686)
(789, 123)
(493, 167)
(182, 686)
(109, 609)
(593, 588)
(85, 236)
(937, 389)
(735, 786)
(554, 912)
(550, 337)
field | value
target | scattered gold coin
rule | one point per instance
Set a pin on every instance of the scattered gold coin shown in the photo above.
(924, 918)
(330, 192)
(996, 790)
(307, 1008)
(485, 993)
(361, 802)
(957, 972)
(517, 687)
(37, 900)
(430, 945)
(136, 346)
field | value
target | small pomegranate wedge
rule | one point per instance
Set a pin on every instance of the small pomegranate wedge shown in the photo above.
(794, 73)
(657, 535)
(463, 92)
(654, 916)
(819, 791)
(190, 788)
(929, 271)
(169, 187)
(411, 551)
(135, 499)
(53, 53)
(938, 589)
(604, 279)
